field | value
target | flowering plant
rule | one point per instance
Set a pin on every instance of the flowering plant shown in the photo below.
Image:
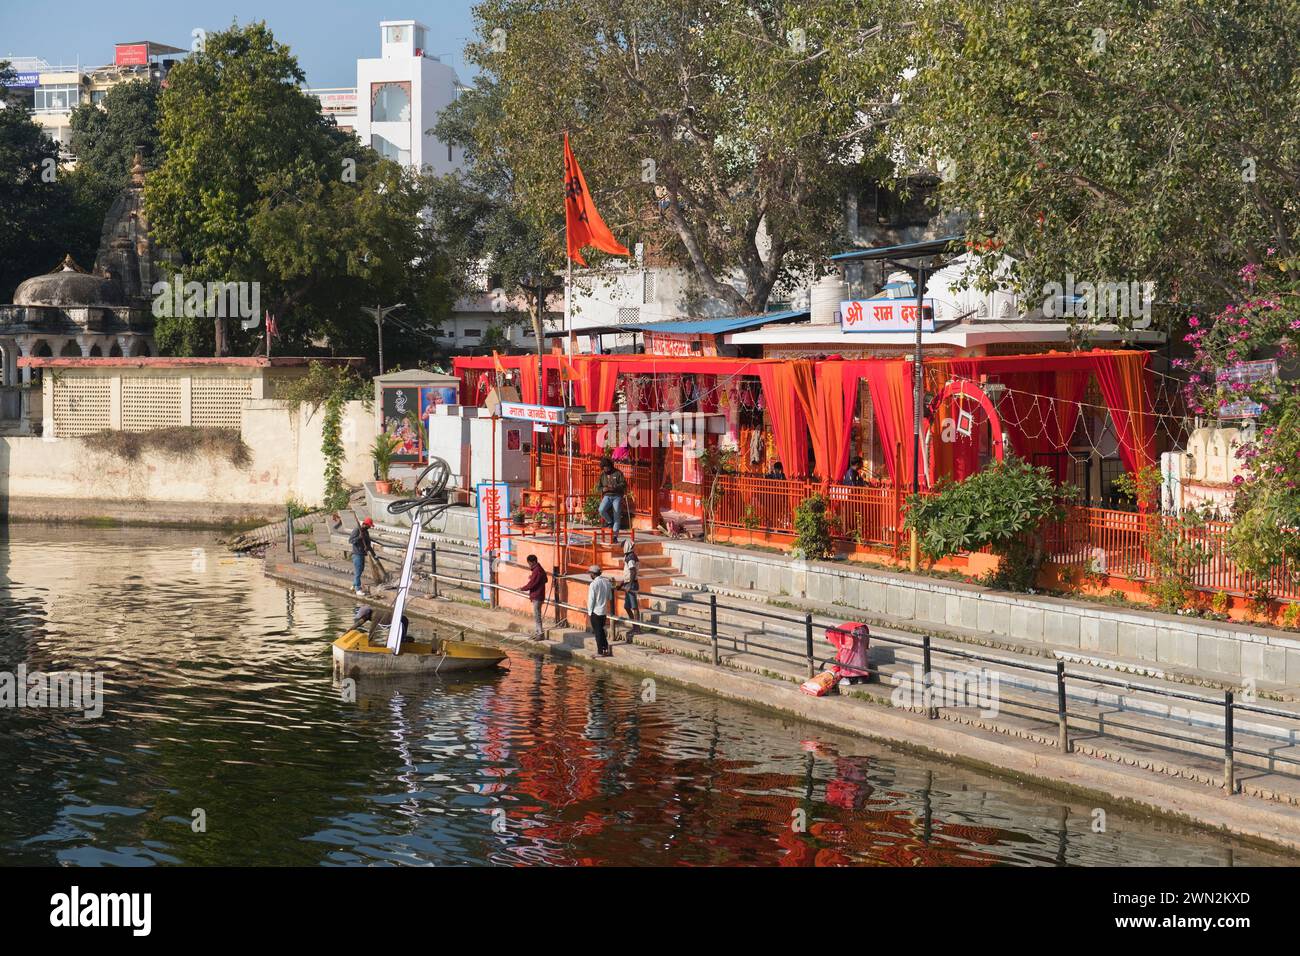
(1242, 367)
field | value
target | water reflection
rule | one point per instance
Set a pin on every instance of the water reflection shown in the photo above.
(219, 698)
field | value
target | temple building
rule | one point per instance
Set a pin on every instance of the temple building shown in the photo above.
(73, 312)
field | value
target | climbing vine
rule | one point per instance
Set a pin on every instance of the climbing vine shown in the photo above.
(330, 386)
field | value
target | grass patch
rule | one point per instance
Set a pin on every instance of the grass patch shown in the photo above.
(181, 442)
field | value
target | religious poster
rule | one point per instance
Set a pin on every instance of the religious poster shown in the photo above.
(400, 401)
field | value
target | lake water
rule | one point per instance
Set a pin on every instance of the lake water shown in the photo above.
(219, 708)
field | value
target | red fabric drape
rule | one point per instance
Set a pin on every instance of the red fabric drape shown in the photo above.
(890, 384)
(1125, 381)
(528, 380)
(785, 416)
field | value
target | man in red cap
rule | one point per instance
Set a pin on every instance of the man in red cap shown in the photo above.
(361, 546)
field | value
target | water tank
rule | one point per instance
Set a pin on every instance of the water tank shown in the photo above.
(824, 299)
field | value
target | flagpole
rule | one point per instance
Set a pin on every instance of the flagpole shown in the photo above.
(568, 347)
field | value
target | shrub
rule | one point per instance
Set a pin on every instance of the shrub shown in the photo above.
(812, 529)
(1176, 551)
(1002, 507)
(183, 441)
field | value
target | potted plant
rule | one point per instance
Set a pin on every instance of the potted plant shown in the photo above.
(381, 453)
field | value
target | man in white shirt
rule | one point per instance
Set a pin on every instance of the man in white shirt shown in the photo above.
(600, 595)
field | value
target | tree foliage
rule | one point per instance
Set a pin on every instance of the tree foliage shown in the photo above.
(1263, 322)
(1112, 139)
(106, 136)
(702, 126)
(256, 186)
(41, 215)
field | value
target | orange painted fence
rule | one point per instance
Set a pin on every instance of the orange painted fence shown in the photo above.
(1113, 543)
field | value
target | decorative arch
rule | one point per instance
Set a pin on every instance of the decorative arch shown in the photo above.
(959, 388)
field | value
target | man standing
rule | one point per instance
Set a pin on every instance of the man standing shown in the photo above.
(361, 546)
(600, 594)
(535, 587)
(612, 487)
(631, 589)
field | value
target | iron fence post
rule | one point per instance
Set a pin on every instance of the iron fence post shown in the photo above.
(561, 612)
(433, 564)
(1229, 775)
(1060, 708)
(713, 626)
(808, 644)
(288, 533)
(927, 696)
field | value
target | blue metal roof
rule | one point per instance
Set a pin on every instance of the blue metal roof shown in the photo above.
(907, 250)
(733, 323)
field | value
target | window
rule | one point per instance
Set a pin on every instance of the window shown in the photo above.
(473, 333)
(421, 41)
(449, 152)
(629, 316)
(57, 99)
(390, 102)
(389, 150)
(97, 96)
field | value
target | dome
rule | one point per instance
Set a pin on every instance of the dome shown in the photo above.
(68, 287)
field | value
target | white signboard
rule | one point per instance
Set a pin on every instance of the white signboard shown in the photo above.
(884, 315)
(538, 414)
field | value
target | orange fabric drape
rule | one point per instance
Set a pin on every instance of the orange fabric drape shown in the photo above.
(890, 384)
(837, 394)
(785, 416)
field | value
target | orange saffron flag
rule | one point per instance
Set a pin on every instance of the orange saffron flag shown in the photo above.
(582, 223)
(496, 362)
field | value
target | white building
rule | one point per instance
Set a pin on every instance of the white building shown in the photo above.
(400, 95)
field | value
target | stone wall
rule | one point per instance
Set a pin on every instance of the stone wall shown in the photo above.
(1224, 651)
(63, 478)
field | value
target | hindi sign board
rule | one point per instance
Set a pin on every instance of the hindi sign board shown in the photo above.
(493, 529)
(885, 315)
(537, 414)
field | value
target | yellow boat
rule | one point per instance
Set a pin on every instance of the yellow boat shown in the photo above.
(355, 653)
(355, 656)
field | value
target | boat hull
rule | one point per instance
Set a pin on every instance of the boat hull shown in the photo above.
(355, 656)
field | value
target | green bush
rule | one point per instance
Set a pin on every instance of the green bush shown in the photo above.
(812, 529)
(1002, 507)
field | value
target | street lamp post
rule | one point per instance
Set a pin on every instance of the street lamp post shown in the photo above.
(379, 313)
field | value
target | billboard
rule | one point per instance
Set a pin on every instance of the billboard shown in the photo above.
(131, 54)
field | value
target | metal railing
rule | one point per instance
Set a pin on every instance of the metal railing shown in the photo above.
(1058, 711)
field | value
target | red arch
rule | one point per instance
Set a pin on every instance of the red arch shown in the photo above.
(967, 389)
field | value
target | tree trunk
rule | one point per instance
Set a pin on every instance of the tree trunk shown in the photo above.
(222, 344)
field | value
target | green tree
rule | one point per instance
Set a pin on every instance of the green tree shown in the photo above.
(41, 217)
(1112, 139)
(476, 210)
(256, 186)
(105, 138)
(702, 126)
